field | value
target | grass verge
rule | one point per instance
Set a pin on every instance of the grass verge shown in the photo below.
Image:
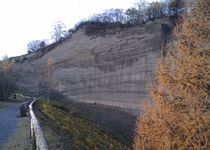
(74, 131)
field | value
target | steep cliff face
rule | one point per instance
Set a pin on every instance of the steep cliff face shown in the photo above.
(110, 69)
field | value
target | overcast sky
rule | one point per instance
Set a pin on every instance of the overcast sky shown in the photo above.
(26, 20)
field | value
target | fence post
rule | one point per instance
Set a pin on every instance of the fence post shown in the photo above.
(38, 140)
(33, 140)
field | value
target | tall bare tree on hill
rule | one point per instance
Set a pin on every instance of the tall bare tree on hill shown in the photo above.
(35, 45)
(141, 8)
(50, 63)
(59, 31)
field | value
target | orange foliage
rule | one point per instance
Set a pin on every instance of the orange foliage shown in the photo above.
(179, 117)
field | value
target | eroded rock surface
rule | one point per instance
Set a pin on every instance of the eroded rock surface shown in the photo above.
(111, 69)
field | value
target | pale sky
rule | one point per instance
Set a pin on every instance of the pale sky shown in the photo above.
(26, 20)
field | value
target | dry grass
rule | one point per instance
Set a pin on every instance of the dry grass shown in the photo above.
(73, 131)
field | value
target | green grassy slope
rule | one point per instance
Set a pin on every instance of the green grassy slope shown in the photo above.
(80, 132)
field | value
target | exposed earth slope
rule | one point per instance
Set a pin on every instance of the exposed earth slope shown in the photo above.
(110, 69)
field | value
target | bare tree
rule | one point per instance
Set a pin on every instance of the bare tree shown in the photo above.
(141, 8)
(155, 10)
(59, 31)
(115, 15)
(119, 15)
(110, 15)
(107, 16)
(35, 45)
(176, 6)
(7, 83)
(50, 63)
(132, 16)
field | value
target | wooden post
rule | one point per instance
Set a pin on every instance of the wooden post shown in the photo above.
(22, 110)
(38, 140)
(33, 140)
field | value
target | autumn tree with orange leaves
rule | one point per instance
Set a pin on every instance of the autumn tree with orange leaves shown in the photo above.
(178, 116)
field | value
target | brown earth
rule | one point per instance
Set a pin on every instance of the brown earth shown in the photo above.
(111, 69)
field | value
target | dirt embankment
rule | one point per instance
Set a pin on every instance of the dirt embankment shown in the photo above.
(110, 69)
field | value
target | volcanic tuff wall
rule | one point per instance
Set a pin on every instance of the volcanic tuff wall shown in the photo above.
(110, 69)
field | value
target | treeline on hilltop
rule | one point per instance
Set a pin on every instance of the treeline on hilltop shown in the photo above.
(141, 13)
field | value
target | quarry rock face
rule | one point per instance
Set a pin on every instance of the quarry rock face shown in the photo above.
(111, 69)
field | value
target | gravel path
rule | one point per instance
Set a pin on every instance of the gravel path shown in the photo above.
(8, 123)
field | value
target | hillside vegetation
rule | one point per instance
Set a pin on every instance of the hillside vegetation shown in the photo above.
(7, 79)
(178, 116)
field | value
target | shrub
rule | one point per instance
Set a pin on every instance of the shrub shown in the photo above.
(178, 117)
(7, 79)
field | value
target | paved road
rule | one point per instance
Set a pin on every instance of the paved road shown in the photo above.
(8, 123)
